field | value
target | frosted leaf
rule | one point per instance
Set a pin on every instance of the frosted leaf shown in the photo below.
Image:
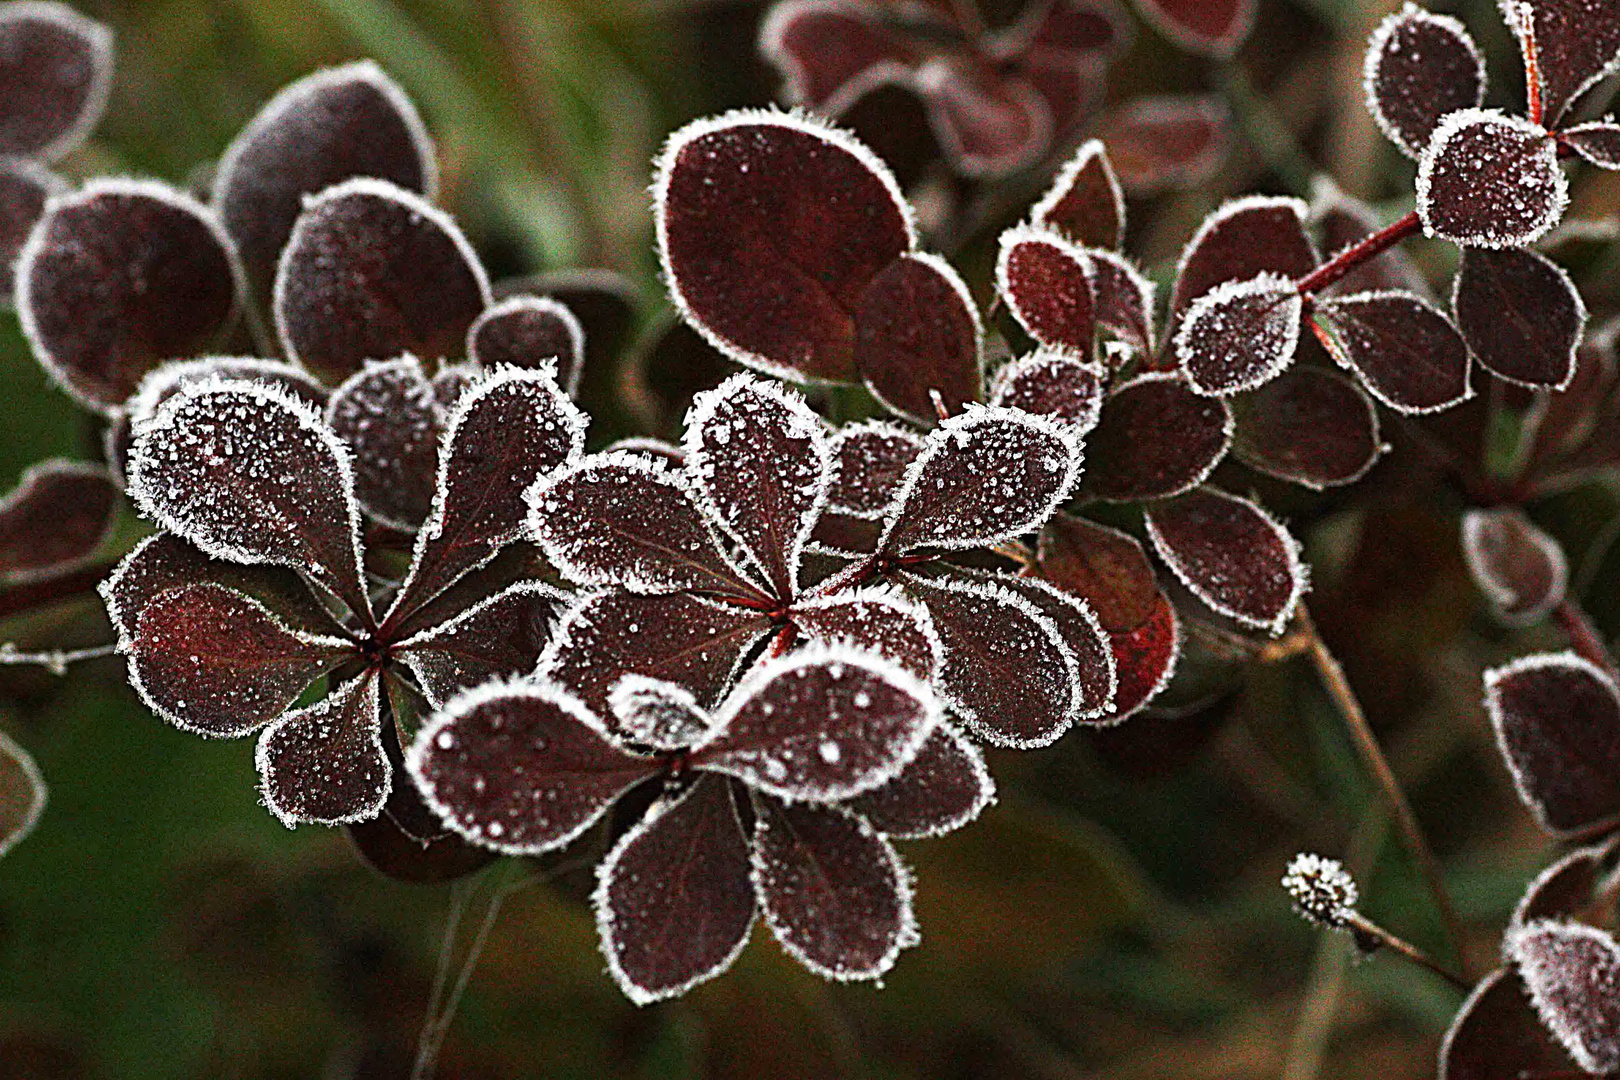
(626, 520)
(1341, 222)
(1257, 234)
(249, 474)
(1105, 567)
(1085, 202)
(1557, 721)
(1156, 438)
(1240, 335)
(161, 383)
(946, 786)
(1209, 27)
(1597, 142)
(869, 464)
(22, 794)
(1234, 556)
(1520, 314)
(530, 332)
(325, 764)
(875, 620)
(1046, 282)
(1404, 349)
(395, 852)
(1420, 67)
(520, 768)
(1052, 382)
(1123, 298)
(1522, 571)
(1168, 140)
(56, 69)
(510, 429)
(664, 716)
(372, 270)
(1573, 974)
(985, 475)
(674, 898)
(390, 418)
(56, 518)
(25, 187)
(735, 196)
(499, 637)
(1490, 180)
(1309, 425)
(1145, 659)
(667, 452)
(758, 460)
(328, 127)
(1496, 1035)
(118, 277)
(1082, 634)
(1566, 888)
(214, 661)
(917, 333)
(1576, 44)
(681, 639)
(1008, 674)
(820, 724)
(453, 380)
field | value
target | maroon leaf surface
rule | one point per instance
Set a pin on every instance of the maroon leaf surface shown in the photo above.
(326, 764)
(1085, 202)
(1308, 425)
(22, 794)
(1052, 382)
(1145, 659)
(1597, 142)
(1105, 567)
(1404, 349)
(529, 332)
(1082, 634)
(25, 185)
(1233, 556)
(1257, 234)
(371, 271)
(1566, 888)
(1240, 335)
(1419, 67)
(917, 333)
(58, 516)
(946, 786)
(1490, 180)
(1211, 27)
(1576, 42)
(1156, 438)
(118, 277)
(1573, 974)
(56, 69)
(389, 417)
(869, 465)
(1046, 282)
(830, 53)
(1521, 570)
(499, 637)
(1497, 1036)
(987, 124)
(1124, 300)
(1520, 314)
(1342, 222)
(874, 620)
(1168, 141)
(674, 898)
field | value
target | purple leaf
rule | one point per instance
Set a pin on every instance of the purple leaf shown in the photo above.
(833, 891)
(1573, 974)
(946, 786)
(1240, 335)
(1233, 556)
(1341, 222)
(1566, 888)
(1521, 570)
(1168, 141)
(1597, 142)
(1420, 67)
(1257, 234)
(1404, 349)
(25, 186)
(674, 898)
(734, 196)
(56, 518)
(1210, 27)
(916, 332)
(870, 459)
(214, 661)
(119, 277)
(844, 535)
(326, 764)
(1145, 658)
(249, 474)
(1052, 382)
(56, 69)
(1490, 180)
(1520, 314)
(664, 716)
(521, 768)
(1308, 425)
(758, 460)
(1156, 438)
(1576, 44)
(371, 271)
(1083, 635)
(1046, 281)
(1085, 202)
(820, 724)
(22, 794)
(832, 53)
(1105, 567)
(499, 637)
(874, 620)
(530, 332)
(985, 476)
(325, 128)
(1124, 300)
(389, 417)
(1557, 719)
(1497, 1036)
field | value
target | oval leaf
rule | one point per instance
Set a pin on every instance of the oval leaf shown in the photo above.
(946, 786)
(870, 459)
(326, 765)
(1404, 349)
(1105, 567)
(499, 637)
(1497, 1036)
(1233, 556)
(530, 332)
(917, 333)
(1168, 141)
(1490, 180)
(1572, 972)
(1210, 27)
(1046, 281)
(1240, 335)
(1420, 67)
(22, 794)
(1156, 438)
(389, 416)
(1520, 314)
(1313, 427)
(1519, 568)
(1575, 42)
(55, 519)
(1258, 234)
(56, 69)
(1597, 142)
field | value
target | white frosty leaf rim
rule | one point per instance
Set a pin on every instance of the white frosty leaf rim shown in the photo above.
(40, 472)
(1228, 210)
(1372, 65)
(1052, 357)
(1210, 304)
(1298, 573)
(545, 305)
(1576, 300)
(1572, 137)
(1594, 854)
(36, 783)
(1326, 307)
(943, 439)
(365, 683)
(156, 385)
(1081, 608)
(1116, 717)
(948, 273)
(985, 794)
(1147, 294)
(425, 640)
(47, 183)
(884, 595)
(1594, 1053)
(882, 429)
(1464, 1014)
(40, 240)
(405, 366)
(1513, 13)
(1449, 128)
(1063, 185)
(795, 120)
(1498, 591)
(1220, 46)
(1044, 236)
(358, 187)
(98, 38)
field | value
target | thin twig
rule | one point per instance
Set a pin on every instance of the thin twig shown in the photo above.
(56, 661)
(1366, 929)
(1351, 257)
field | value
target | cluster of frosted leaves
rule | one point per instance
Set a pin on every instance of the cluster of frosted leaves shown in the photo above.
(56, 519)
(1419, 68)
(1557, 720)
(1574, 43)
(780, 800)
(1522, 571)
(22, 794)
(1490, 180)
(1065, 294)
(256, 492)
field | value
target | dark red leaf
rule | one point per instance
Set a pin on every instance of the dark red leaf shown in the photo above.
(870, 459)
(1156, 438)
(1046, 281)
(1577, 43)
(393, 852)
(917, 331)
(1496, 1036)
(500, 637)
(1081, 632)
(1073, 83)
(162, 383)
(1311, 426)
(56, 69)
(326, 764)
(874, 620)
(1210, 27)
(1342, 222)
(22, 794)
(1168, 141)
(988, 125)
(323, 129)
(605, 303)
(675, 898)
(371, 271)
(1403, 348)
(389, 417)
(1054, 28)
(1557, 718)
(1490, 180)
(1521, 570)
(521, 768)
(1124, 301)
(1566, 888)
(1572, 972)
(59, 514)
(1257, 234)
(833, 891)
(770, 229)
(1520, 314)
(24, 187)
(1107, 568)
(832, 53)
(1419, 67)
(1240, 335)
(1145, 659)
(1233, 556)
(118, 277)
(946, 786)
(986, 475)
(529, 332)
(1085, 202)
(214, 661)
(845, 534)
(1052, 382)
(663, 716)
(1597, 142)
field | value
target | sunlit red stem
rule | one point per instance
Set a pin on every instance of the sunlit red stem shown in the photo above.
(1351, 257)
(1584, 637)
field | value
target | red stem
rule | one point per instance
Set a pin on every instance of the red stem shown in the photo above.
(1584, 637)
(1351, 257)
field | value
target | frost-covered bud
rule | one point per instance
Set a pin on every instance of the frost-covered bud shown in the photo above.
(1323, 890)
